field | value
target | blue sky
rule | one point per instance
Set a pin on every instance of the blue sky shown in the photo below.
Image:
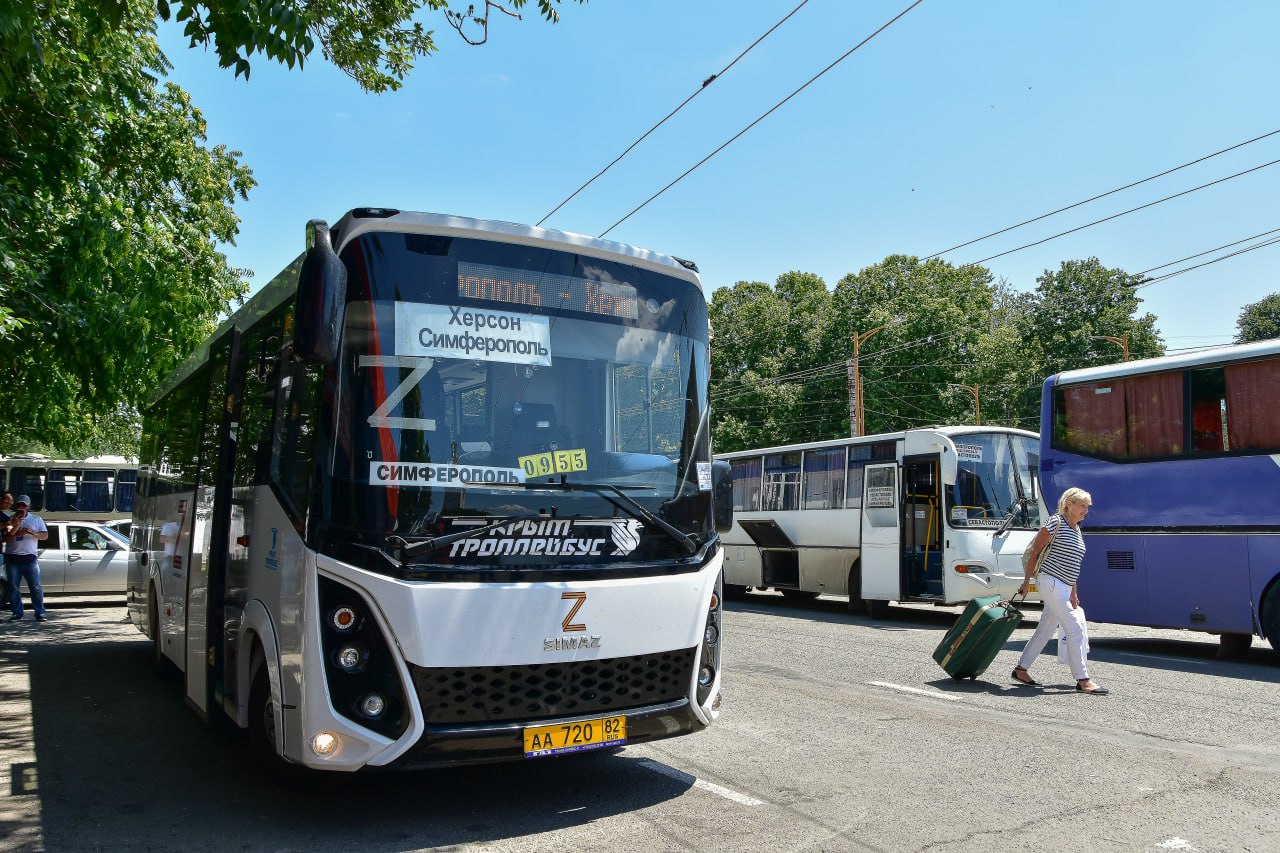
(958, 120)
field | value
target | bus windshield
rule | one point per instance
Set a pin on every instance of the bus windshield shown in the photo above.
(481, 385)
(997, 475)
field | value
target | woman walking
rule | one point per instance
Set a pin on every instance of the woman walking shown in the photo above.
(1059, 547)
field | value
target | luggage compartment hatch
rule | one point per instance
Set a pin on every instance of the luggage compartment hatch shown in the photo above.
(766, 533)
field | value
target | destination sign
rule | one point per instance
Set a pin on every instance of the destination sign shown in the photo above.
(546, 290)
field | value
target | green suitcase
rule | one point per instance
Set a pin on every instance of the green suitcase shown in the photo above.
(981, 632)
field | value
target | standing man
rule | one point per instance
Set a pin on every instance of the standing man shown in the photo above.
(6, 502)
(21, 557)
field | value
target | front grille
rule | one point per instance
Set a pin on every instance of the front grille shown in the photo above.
(454, 696)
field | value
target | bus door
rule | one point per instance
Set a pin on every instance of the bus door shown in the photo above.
(208, 551)
(881, 540)
(779, 556)
(922, 531)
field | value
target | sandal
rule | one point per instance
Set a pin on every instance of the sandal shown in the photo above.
(1028, 681)
(1096, 690)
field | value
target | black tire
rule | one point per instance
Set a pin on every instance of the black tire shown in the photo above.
(877, 608)
(1269, 616)
(798, 594)
(856, 604)
(262, 721)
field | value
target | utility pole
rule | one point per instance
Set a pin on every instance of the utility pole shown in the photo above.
(857, 416)
(977, 411)
(1122, 342)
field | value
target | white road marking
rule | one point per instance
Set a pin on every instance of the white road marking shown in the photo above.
(1176, 843)
(688, 779)
(932, 694)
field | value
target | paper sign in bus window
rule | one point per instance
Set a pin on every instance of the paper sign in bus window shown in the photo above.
(430, 475)
(450, 331)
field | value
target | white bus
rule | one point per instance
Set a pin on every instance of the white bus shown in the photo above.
(939, 514)
(99, 488)
(442, 492)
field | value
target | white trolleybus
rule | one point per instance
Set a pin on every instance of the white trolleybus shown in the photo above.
(441, 492)
(939, 514)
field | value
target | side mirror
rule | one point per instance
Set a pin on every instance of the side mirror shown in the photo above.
(322, 299)
(722, 495)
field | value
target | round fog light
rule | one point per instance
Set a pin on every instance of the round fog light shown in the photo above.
(711, 635)
(324, 743)
(373, 705)
(706, 675)
(351, 658)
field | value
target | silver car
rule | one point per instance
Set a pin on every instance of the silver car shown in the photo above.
(80, 557)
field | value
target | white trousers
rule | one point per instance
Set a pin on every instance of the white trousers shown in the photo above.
(1058, 613)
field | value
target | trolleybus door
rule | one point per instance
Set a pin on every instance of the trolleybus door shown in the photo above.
(881, 533)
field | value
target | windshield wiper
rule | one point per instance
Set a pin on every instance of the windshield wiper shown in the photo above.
(405, 550)
(1020, 504)
(622, 501)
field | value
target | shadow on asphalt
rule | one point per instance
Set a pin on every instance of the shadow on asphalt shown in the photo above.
(121, 762)
(1192, 654)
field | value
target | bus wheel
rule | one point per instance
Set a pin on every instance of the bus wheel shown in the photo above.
(856, 604)
(262, 720)
(164, 666)
(877, 608)
(1270, 616)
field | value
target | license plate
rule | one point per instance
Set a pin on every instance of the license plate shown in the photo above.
(574, 737)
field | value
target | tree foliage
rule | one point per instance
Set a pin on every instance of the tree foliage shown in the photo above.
(375, 42)
(111, 213)
(938, 343)
(1259, 321)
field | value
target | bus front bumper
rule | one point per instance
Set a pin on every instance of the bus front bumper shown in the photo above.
(442, 746)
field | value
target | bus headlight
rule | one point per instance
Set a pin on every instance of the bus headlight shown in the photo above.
(373, 705)
(325, 744)
(361, 671)
(351, 658)
(710, 657)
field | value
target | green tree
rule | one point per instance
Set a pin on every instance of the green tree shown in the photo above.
(1259, 321)
(1073, 312)
(768, 375)
(933, 319)
(111, 213)
(375, 42)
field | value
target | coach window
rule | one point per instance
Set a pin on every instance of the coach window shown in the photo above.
(1208, 410)
(294, 442)
(782, 481)
(1253, 419)
(746, 483)
(824, 478)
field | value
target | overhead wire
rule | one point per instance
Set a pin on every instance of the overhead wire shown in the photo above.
(1101, 195)
(769, 112)
(697, 92)
(1122, 213)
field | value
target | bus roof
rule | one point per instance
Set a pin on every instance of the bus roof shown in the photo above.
(873, 439)
(361, 220)
(1199, 358)
(355, 222)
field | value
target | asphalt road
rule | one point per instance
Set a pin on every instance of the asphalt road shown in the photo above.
(838, 733)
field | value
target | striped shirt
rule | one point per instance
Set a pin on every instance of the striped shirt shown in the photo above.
(1065, 552)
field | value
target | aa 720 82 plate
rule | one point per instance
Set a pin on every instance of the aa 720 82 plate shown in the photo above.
(574, 737)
